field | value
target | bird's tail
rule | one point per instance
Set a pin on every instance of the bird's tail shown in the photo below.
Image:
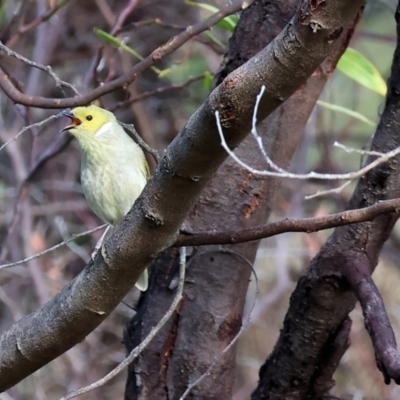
(143, 281)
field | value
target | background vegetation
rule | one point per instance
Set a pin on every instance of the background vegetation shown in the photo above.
(49, 206)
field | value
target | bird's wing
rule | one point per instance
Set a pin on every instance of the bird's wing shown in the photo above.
(147, 170)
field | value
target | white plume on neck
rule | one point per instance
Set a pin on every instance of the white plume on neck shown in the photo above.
(106, 127)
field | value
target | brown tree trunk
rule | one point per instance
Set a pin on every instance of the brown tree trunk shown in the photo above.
(217, 276)
(152, 225)
(316, 327)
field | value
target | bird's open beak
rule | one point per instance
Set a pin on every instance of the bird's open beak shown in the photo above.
(74, 121)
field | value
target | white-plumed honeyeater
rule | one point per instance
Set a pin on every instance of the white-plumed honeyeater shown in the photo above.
(114, 170)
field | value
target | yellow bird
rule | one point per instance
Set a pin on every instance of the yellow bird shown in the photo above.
(114, 170)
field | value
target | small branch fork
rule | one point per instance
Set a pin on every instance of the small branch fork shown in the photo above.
(261, 232)
(281, 173)
(358, 273)
(178, 297)
(142, 143)
(45, 68)
(35, 23)
(35, 101)
(160, 90)
(289, 225)
(137, 350)
(357, 270)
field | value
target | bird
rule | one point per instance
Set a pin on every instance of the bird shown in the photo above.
(114, 170)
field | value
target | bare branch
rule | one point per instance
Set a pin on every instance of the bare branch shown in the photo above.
(358, 273)
(185, 168)
(45, 68)
(26, 128)
(123, 15)
(55, 247)
(36, 101)
(142, 143)
(311, 175)
(36, 22)
(146, 95)
(137, 350)
(359, 151)
(290, 225)
(326, 192)
(258, 138)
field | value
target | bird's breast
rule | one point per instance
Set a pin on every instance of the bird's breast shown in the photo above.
(111, 184)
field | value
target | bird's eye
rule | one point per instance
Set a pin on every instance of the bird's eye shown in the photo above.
(89, 117)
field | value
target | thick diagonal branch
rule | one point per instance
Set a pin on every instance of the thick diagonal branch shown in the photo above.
(186, 167)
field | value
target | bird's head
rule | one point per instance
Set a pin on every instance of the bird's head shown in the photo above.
(88, 122)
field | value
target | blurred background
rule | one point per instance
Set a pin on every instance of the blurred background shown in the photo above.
(42, 202)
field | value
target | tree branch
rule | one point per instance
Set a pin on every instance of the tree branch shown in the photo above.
(289, 225)
(358, 273)
(35, 23)
(36, 101)
(45, 68)
(325, 295)
(186, 167)
(138, 349)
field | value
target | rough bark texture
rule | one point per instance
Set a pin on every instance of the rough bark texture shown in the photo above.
(217, 276)
(185, 169)
(318, 315)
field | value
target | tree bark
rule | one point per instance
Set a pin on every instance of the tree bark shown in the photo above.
(185, 169)
(217, 276)
(316, 327)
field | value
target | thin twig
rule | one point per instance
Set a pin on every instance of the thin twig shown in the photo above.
(287, 174)
(138, 349)
(326, 192)
(358, 151)
(36, 22)
(141, 142)
(258, 138)
(145, 95)
(173, 44)
(235, 339)
(311, 175)
(80, 251)
(123, 15)
(45, 68)
(51, 151)
(26, 128)
(50, 249)
(149, 22)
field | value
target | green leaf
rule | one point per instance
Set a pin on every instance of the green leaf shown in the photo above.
(228, 23)
(214, 40)
(207, 80)
(106, 37)
(347, 111)
(359, 68)
(165, 73)
(3, 10)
